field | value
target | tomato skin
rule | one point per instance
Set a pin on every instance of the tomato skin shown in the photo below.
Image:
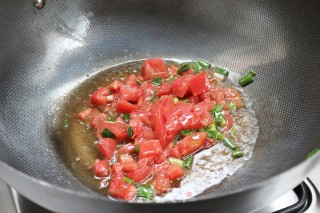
(99, 97)
(200, 83)
(83, 115)
(154, 67)
(175, 172)
(130, 93)
(124, 106)
(191, 143)
(148, 149)
(115, 128)
(101, 168)
(107, 147)
(120, 189)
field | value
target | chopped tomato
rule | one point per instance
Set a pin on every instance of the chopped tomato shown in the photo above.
(107, 147)
(146, 135)
(101, 168)
(131, 81)
(115, 86)
(130, 93)
(165, 89)
(206, 118)
(143, 116)
(232, 95)
(154, 67)
(204, 106)
(83, 115)
(126, 149)
(191, 143)
(120, 189)
(128, 163)
(150, 148)
(96, 119)
(190, 121)
(117, 169)
(158, 121)
(175, 172)
(140, 174)
(175, 152)
(115, 128)
(172, 69)
(99, 97)
(162, 183)
(180, 86)
(200, 83)
(124, 106)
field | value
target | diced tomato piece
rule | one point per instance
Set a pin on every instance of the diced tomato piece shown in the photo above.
(175, 152)
(83, 115)
(126, 149)
(208, 143)
(206, 118)
(165, 102)
(190, 121)
(137, 126)
(173, 125)
(161, 158)
(128, 163)
(120, 189)
(189, 72)
(143, 116)
(96, 119)
(191, 143)
(162, 183)
(165, 89)
(158, 122)
(180, 86)
(131, 81)
(175, 172)
(204, 106)
(172, 69)
(115, 128)
(124, 106)
(99, 97)
(200, 83)
(161, 169)
(146, 135)
(178, 110)
(107, 147)
(130, 93)
(116, 169)
(217, 94)
(101, 168)
(150, 148)
(232, 95)
(140, 174)
(229, 120)
(154, 67)
(115, 86)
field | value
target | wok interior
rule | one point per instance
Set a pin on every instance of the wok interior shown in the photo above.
(45, 53)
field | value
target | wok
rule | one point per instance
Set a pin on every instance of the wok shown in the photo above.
(45, 53)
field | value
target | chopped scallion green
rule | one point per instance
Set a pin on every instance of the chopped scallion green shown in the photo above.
(313, 152)
(145, 191)
(171, 79)
(106, 133)
(247, 79)
(188, 162)
(157, 81)
(187, 132)
(231, 145)
(176, 161)
(221, 71)
(231, 105)
(175, 100)
(65, 122)
(130, 132)
(184, 67)
(177, 138)
(186, 101)
(138, 82)
(126, 117)
(128, 180)
(155, 96)
(237, 153)
(111, 119)
(204, 65)
(136, 149)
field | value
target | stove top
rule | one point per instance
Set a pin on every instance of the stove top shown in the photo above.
(305, 198)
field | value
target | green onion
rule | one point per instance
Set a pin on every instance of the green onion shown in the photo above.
(138, 82)
(177, 138)
(175, 100)
(130, 132)
(155, 95)
(212, 127)
(187, 132)
(176, 161)
(216, 108)
(220, 121)
(188, 162)
(136, 149)
(247, 79)
(231, 105)
(126, 117)
(145, 191)
(106, 133)
(157, 81)
(196, 67)
(111, 119)
(221, 71)
(204, 65)
(128, 180)
(313, 152)
(234, 130)
(237, 153)
(214, 134)
(186, 101)
(65, 122)
(231, 145)
(171, 79)
(184, 67)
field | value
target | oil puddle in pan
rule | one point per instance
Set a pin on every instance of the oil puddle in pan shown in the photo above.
(77, 145)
